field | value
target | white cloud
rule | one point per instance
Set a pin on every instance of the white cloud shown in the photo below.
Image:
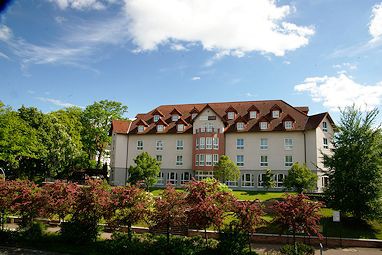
(248, 94)
(340, 91)
(235, 27)
(56, 102)
(5, 33)
(286, 62)
(350, 66)
(375, 26)
(195, 78)
(60, 19)
(82, 4)
(2, 55)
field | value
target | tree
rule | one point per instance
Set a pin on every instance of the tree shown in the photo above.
(96, 121)
(268, 179)
(298, 214)
(170, 210)
(226, 169)
(129, 205)
(355, 179)
(146, 170)
(300, 178)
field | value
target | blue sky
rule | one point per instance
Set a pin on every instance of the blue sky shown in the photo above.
(321, 53)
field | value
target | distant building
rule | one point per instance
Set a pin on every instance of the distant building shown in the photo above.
(188, 140)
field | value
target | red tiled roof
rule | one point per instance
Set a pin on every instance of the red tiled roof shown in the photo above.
(315, 120)
(120, 126)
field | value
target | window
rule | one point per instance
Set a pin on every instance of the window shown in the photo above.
(231, 115)
(160, 128)
(252, 114)
(260, 182)
(232, 183)
(263, 125)
(174, 117)
(279, 179)
(216, 143)
(208, 159)
(179, 160)
(197, 143)
(139, 145)
(185, 177)
(193, 116)
(264, 144)
(325, 181)
(209, 127)
(156, 118)
(209, 143)
(159, 158)
(159, 145)
(201, 160)
(202, 142)
(180, 127)
(325, 126)
(240, 143)
(172, 178)
(288, 124)
(247, 180)
(200, 175)
(160, 179)
(141, 128)
(288, 161)
(263, 160)
(216, 159)
(325, 141)
(240, 160)
(197, 160)
(275, 114)
(288, 143)
(179, 145)
(240, 126)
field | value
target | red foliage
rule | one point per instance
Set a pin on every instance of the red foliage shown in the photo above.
(299, 214)
(248, 214)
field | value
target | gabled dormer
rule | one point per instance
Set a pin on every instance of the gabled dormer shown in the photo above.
(141, 126)
(231, 113)
(175, 114)
(288, 122)
(253, 112)
(263, 123)
(181, 125)
(194, 112)
(161, 125)
(240, 123)
(157, 115)
(276, 111)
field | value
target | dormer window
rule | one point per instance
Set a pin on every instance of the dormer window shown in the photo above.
(252, 114)
(160, 128)
(275, 114)
(288, 124)
(156, 118)
(193, 116)
(141, 129)
(240, 126)
(263, 125)
(174, 117)
(180, 127)
(230, 115)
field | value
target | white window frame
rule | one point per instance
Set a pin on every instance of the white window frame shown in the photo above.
(202, 143)
(262, 162)
(209, 127)
(216, 143)
(174, 117)
(230, 115)
(278, 183)
(183, 179)
(193, 116)
(239, 143)
(180, 127)
(159, 145)
(288, 160)
(288, 124)
(240, 160)
(232, 183)
(288, 144)
(263, 125)
(208, 159)
(160, 178)
(172, 177)
(275, 114)
(141, 129)
(179, 145)
(264, 146)
(325, 126)
(215, 159)
(260, 182)
(160, 128)
(208, 143)
(179, 160)
(324, 181)
(240, 126)
(156, 118)
(325, 143)
(201, 159)
(159, 158)
(197, 160)
(139, 145)
(200, 175)
(197, 143)
(252, 114)
(245, 182)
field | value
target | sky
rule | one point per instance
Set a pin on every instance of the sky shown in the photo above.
(325, 54)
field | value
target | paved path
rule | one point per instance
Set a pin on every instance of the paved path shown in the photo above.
(19, 251)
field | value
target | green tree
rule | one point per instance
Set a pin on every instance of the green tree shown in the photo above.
(96, 121)
(355, 179)
(146, 170)
(268, 179)
(300, 178)
(226, 169)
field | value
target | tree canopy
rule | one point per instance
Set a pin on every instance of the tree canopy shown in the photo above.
(300, 178)
(146, 170)
(226, 169)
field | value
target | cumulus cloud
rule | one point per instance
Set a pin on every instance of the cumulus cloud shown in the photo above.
(56, 102)
(234, 27)
(375, 26)
(195, 78)
(340, 91)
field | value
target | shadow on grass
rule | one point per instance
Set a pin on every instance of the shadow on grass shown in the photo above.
(349, 227)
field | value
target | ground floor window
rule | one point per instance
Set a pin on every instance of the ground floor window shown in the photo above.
(160, 179)
(233, 183)
(200, 175)
(279, 179)
(185, 177)
(325, 181)
(247, 180)
(172, 178)
(260, 182)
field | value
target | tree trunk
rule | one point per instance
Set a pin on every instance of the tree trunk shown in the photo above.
(205, 236)
(249, 241)
(129, 232)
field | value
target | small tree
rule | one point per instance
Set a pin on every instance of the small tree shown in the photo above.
(6, 199)
(298, 214)
(268, 179)
(170, 210)
(226, 169)
(146, 170)
(129, 206)
(300, 178)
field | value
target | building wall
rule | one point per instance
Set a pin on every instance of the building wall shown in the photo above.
(118, 159)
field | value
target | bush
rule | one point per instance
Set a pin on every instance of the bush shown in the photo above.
(34, 232)
(232, 241)
(79, 232)
(302, 249)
